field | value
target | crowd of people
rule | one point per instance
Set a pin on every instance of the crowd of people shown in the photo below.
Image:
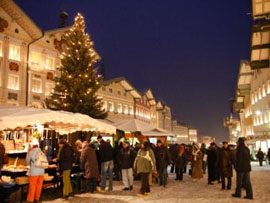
(100, 162)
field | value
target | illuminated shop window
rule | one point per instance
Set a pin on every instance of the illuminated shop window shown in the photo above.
(14, 52)
(13, 82)
(36, 85)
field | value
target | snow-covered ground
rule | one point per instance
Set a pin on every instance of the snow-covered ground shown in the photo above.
(184, 192)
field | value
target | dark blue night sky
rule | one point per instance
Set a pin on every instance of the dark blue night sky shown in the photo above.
(187, 52)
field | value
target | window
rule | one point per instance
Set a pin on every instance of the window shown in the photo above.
(268, 87)
(256, 98)
(259, 38)
(260, 54)
(36, 85)
(119, 108)
(125, 109)
(104, 107)
(13, 82)
(110, 106)
(264, 90)
(260, 93)
(1, 48)
(119, 92)
(14, 52)
(131, 112)
(252, 99)
(49, 88)
(49, 63)
(35, 58)
(261, 7)
(111, 90)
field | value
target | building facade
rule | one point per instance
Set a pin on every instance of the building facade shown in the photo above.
(181, 132)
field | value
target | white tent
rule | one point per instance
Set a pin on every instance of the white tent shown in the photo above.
(158, 132)
(64, 122)
(132, 125)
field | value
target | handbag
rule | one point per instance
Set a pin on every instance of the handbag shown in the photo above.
(5, 159)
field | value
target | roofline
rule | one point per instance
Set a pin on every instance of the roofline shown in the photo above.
(56, 30)
(26, 15)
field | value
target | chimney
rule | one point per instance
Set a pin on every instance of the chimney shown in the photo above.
(63, 19)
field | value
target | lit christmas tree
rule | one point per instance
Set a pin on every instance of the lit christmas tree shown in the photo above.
(76, 87)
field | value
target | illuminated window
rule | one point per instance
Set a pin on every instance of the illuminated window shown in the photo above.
(13, 82)
(252, 99)
(261, 7)
(35, 58)
(268, 87)
(119, 108)
(49, 63)
(49, 88)
(260, 54)
(36, 85)
(260, 93)
(14, 52)
(104, 106)
(125, 109)
(1, 48)
(131, 112)
(110, 106)
(264, 90)
(255, 96)
(260, 38)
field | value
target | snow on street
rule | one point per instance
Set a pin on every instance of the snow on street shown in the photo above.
(184, 192)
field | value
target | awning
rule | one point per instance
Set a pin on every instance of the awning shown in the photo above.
(157, 132)
(63, 122)
(132, 125)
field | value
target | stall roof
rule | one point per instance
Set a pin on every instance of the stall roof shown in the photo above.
(158, 132)
(64, 122)
(132, 125)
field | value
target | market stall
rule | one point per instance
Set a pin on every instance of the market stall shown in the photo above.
(158, 134)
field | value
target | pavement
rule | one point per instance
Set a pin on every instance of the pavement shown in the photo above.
(183, 192)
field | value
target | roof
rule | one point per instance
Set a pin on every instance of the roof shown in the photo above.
(150, 97)
(13, 10)
(124, 82)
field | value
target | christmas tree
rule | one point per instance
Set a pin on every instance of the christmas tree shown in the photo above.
(78, 81)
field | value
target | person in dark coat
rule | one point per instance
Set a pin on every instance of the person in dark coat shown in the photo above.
(243, 168)
(162, 161)
(65, 160)
(173, 153)
(181, 162)
(2, 153)
(106, 159)
(225, 161)
(126, 159)
(260, 156)
(211, 163)
(88, 162)
(268, 156)
(204, 152)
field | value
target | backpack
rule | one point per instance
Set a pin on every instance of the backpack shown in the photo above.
(41, 160)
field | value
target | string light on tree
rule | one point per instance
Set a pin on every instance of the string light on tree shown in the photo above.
(78, 82)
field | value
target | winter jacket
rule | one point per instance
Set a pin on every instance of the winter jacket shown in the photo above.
(181, 161)
(2, 153)
(260, 155)
(162, 156)
(242, 158)
(126, 158)
(174, 149)
(105, 152)
(145, 161)
(225, 160)
(30, 159)
(88, 162)
(66, 158)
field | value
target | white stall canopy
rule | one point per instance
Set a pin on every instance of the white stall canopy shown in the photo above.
(132, 125)
(63, 122)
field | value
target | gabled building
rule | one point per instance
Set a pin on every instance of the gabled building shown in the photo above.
(119, 97)
(29, 57)
(164, 116)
